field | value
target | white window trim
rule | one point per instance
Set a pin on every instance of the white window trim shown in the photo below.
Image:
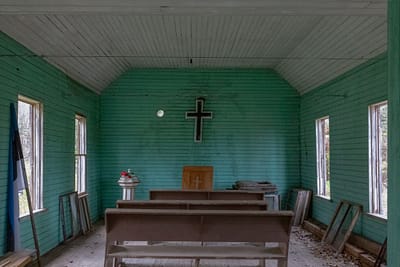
(37, 193)
(82, 153)
(374, 168)
(321, 162)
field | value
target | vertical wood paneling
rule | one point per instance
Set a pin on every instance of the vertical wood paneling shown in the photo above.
(253, 134)
(394, 126)
(346, 101)
(61, 98)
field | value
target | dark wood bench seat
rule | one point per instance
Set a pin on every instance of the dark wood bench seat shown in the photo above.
(185, 194)
(194, 204)
(221, 226)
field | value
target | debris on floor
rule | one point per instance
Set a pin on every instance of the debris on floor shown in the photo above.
(303, 240)
(305, 250)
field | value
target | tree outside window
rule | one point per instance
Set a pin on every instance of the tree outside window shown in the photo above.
(30, 129)
(378, 180)
(323, 157)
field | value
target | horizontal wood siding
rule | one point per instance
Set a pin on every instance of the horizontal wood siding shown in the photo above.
(254, 133)
(61, 97)
(345, 100)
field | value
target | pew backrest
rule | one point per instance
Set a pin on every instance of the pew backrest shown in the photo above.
(197, 225)
(205, 195)
(194, 204)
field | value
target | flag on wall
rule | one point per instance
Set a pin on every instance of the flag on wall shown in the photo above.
(15, 182)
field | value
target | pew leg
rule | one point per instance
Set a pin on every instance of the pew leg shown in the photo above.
(282, 263)
(261, 261)
(285, 249)
(118, 262)
(108, 262)
(197, 261)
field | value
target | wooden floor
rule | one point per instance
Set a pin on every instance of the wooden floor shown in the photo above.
(88, 251)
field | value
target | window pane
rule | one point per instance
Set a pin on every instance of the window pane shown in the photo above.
(383, 157)
(80, 154)
(378, 127)
(323, 157)
(77, 136)
(29, 122)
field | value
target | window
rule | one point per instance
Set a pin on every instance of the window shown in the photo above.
(80, 154)
(378, 182)
(323, 156)
(30, 119)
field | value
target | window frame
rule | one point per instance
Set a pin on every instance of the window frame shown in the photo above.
(322, 159)
(36, 185)
(80, 153)
(374, 161)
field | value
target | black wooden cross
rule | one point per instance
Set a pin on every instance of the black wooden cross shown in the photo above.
(198, 115)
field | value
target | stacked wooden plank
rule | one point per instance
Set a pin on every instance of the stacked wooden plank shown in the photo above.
(265, 186)
(17, 259)
(186, 194)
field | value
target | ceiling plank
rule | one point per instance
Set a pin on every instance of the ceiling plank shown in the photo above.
(192, 7)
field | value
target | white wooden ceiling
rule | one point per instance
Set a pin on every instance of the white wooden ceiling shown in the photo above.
(308, 42)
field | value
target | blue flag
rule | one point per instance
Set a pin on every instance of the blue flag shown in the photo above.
(15, 182)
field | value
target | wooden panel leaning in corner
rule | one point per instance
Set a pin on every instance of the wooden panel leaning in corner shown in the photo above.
(69, 215)
(299, 201)
(342, 224)
(381, 255)
(197, 177)
(86, 224)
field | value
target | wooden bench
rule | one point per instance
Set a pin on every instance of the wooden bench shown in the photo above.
(205, 195)
(194, 204)
(17, 259)
(222, 226)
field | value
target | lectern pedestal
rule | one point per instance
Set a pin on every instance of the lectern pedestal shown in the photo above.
(128, 186)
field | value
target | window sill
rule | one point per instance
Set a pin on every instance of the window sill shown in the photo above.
(324, 198)
(26, 216)
(376, 216)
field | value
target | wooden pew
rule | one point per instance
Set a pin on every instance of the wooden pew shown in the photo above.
(203, 194)
(222, 226)
(194, 204)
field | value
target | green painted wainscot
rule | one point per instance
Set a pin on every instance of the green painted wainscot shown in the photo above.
(61, 98)
(261, 129)
(345, 100)
(254, 132)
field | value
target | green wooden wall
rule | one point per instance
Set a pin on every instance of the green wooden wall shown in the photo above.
(254, 133)
(261, 130)
(394, 126)
(21, 72)
(346, 101)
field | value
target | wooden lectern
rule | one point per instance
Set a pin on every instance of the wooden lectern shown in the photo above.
(197, 177)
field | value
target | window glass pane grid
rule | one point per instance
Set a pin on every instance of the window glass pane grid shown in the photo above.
(323, 157)
(30, 128)
(378, 158)
(80, 153)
